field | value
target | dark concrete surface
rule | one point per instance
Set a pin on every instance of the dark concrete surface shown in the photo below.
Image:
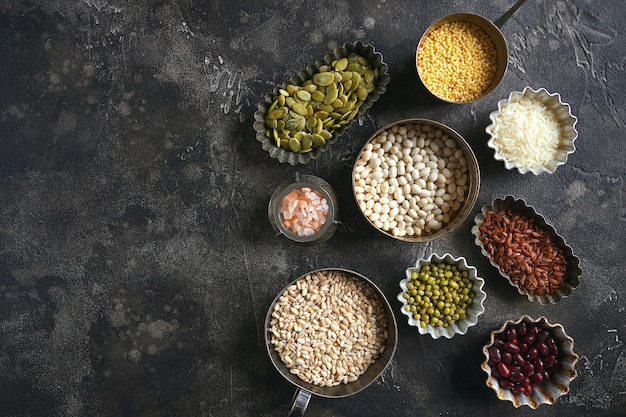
(137, 262)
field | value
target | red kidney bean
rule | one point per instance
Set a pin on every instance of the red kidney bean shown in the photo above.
(519, 359)
(537, 377)
(494, 353)
(516, 376)
(533, 353)
(529, 339)
(538, 364)
(543, 335)
(511, 334)
(504, 369)
(506, 384)
(549, 361)
(512, 347)
(522, 329)
(529, 369)
(543, 349)
(507, 358)
(523, 347)
(552, 346)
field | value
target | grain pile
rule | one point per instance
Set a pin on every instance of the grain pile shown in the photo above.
(328, 328)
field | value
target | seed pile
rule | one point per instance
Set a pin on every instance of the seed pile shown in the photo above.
(328, 328)
(301, 118)
(439, 294)
(524, 250)
(523, 356)
(411, 180)
(304, 211)
(457, 61)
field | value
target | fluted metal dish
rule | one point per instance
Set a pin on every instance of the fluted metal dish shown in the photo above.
(520, 206)
(473, 311)
(562, 115)
(293, 158)
(550, 391)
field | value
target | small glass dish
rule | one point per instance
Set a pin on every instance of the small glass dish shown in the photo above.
(552, 385)
(561, 114)
(323, 190)
(519, 206)
(375, 60)
(475, 309)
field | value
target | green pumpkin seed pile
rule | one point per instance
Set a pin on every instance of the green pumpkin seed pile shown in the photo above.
(303, 117)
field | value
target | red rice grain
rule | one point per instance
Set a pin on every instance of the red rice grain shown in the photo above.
(523, 250)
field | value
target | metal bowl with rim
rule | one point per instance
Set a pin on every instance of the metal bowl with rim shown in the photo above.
(305, 389)
(493, 33)
(418, 198)
(375, 60)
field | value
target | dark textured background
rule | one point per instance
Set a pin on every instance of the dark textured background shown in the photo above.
(136, 258)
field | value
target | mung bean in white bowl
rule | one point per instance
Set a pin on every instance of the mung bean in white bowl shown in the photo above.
(416, 180)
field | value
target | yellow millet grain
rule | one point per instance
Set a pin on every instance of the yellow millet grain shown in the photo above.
(457, 61)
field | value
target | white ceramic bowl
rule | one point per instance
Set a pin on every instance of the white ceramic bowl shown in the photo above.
(473, 311)
(559, 383)
(562, 115)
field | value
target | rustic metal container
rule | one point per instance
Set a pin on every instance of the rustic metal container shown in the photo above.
(304, 389)
(491, 30)
(293, 158)
(520, 206)
(473, 179)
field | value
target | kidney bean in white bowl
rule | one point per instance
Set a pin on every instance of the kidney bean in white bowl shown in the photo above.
(416, 180)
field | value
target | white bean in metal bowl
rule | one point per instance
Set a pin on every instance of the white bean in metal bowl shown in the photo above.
(416, 180)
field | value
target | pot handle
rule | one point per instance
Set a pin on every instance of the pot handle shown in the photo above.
(299, 403)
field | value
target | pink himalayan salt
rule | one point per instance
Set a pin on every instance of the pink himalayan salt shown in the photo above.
(304, 211)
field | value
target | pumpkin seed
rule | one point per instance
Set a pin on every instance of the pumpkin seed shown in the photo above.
(311, 123)
(294, 145)
(331, 93)
(301, 108)
(303, 95)
(318, 139)
(341, 64)
(291, 124)
(318, 96)
(272, 123)
(323, 79)
(307, 142)
(325, 134)
(278, 113)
